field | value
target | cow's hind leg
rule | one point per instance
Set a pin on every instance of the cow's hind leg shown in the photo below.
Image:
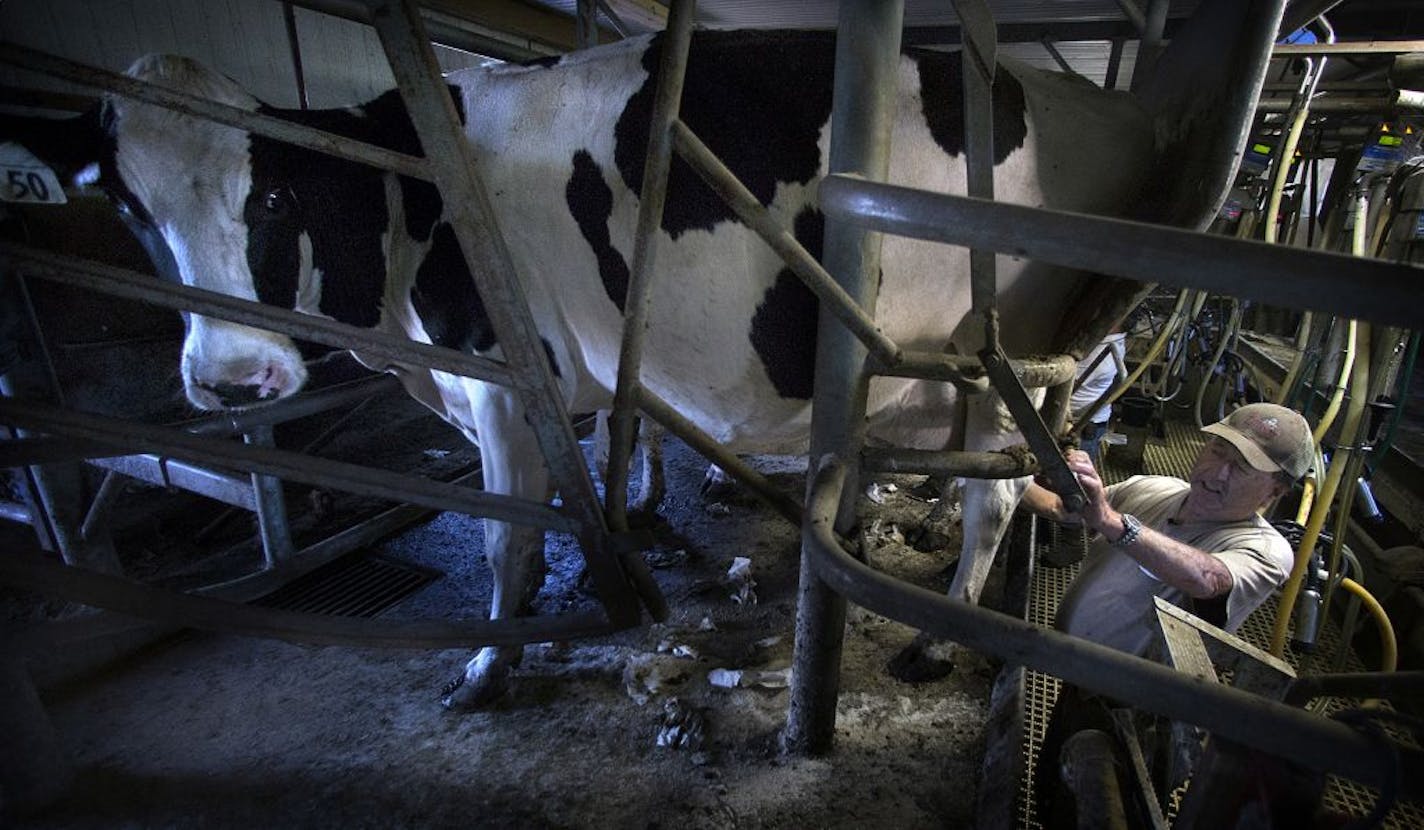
(513, 465)
(987, 508)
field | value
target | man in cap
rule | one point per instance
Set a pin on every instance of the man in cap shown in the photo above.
(1198, 543)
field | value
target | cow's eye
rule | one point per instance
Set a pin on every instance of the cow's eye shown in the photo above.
(278, 199)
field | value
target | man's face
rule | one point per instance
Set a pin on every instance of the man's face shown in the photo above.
(1225, 487)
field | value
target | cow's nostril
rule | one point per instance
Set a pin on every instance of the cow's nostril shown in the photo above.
(233, 394)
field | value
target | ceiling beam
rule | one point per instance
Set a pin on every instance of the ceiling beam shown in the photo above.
(1034, 32)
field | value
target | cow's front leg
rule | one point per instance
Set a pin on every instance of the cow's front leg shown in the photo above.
(513, 465)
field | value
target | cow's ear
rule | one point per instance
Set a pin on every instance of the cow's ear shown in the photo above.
(71, 147)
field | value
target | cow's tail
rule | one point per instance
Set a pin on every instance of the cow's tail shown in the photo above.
(1202, 95)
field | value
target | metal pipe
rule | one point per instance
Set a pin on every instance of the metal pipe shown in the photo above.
(1014, 462)
(750, 210)
(676, 423)
(291, 466)
(967, 371)
(97, 516)
(1249, 719)
(289, 17)
(1358, 47)
(272, 525)
(13, 511)
(371, 343)
(264, 125)
(33, 571)
(1149, 46)
(978, 60)
(471, 214)
(637, 307)
(301, 405)
(1280, 275)
(863, 106)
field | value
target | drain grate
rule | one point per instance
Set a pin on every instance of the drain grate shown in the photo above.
(353, 586)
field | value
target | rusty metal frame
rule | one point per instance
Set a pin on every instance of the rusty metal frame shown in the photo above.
(619, 574)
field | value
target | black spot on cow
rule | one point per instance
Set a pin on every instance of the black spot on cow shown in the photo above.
(763, 124)
(942, 93)
(445, 298)
(339, 204)
(784, 326)
(543, 62)
(591, 204)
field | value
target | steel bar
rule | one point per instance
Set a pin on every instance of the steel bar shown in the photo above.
(978, 60)
(1054, 467)
(14, 511)
(267, 491)
(1150, 45)
(291, 466)
(171, 472)
(1234, 714)
(264, 125)
(36, 572)
(96, 518)
(658, 409)
(301, 405)
(968, 371)
(1280, 275)
(750, 210)
(672, 67)
(1360, 47)
(472, 217)
(1382, 104)
(1013, 463)
(862, 110)
(370, 343)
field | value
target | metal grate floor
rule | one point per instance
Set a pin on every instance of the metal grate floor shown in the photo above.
(1174, 456)
(353, 586)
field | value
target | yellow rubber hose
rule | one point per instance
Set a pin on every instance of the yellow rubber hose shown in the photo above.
(1349, 433)
(1389, 647)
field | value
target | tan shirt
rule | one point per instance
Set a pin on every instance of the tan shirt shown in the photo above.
(1111, 600)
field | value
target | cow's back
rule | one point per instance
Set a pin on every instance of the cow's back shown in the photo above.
(732, 335)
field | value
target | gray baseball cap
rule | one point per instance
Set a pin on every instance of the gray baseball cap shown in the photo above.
(1271, 437)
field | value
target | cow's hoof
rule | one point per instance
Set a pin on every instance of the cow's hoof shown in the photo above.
(464, 695)
(928, 540)
(918, 664)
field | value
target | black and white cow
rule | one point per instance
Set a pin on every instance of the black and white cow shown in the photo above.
(561, 149)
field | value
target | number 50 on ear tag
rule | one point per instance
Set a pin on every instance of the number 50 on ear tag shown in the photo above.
(24, 178)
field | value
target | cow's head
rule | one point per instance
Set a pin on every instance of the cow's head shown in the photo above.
(191, 183)
(245, 216)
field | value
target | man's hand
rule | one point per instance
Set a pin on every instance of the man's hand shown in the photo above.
(1097, 514)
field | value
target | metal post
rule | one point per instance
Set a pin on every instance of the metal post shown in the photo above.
(271, 508)
(867, 61)
(677, 40)
(586, 23)
(1149, 48)
(452, 160)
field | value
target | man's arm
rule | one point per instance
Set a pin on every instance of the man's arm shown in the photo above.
(1182, 566)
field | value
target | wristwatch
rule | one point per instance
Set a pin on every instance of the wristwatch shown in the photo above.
(1131, 529)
